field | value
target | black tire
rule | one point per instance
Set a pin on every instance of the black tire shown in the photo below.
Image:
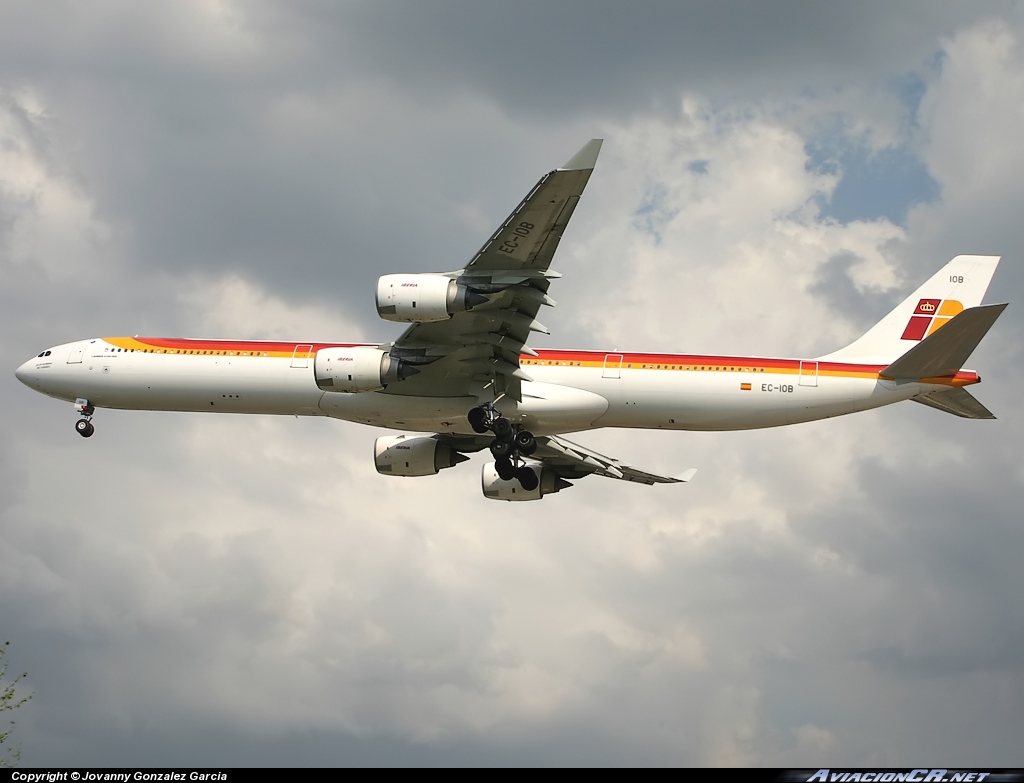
(502, 429)
(478, 420)
(527, 478)
(501, 448)
(506, 470)
(84, 428)
(526, 444)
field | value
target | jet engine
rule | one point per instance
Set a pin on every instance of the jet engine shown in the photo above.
(413, 455)
(497, 488)
(358, 369)
(423, 298)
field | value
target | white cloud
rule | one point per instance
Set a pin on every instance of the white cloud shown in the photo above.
(233, 306)
(739, 247)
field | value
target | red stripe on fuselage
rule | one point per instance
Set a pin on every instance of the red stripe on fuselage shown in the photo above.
(555, 355)
(197, 344)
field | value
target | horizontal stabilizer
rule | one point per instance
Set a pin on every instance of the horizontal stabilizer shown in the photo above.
(959, 402)
(945, 350)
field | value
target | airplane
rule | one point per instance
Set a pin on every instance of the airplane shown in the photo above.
(463, 378)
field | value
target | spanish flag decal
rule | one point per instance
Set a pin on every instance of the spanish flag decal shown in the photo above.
(744, 387)
(929, 315)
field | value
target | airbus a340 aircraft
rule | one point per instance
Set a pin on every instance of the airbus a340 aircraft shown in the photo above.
(464, 373)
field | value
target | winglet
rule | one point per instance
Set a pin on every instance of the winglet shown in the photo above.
(586, 158)
(686, 475)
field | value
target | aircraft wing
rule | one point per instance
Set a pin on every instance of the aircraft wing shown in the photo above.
(461, 355)
(570, 460)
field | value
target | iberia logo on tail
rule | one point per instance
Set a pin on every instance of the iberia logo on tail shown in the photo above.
(929, 315)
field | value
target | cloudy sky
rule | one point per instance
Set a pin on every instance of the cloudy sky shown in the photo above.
(193, 589)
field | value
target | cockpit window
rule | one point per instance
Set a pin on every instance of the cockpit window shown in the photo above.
(44, 353)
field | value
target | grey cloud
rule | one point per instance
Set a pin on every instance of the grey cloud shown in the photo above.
(190, 591)
(187, 140)
(538, 57)
(835, 285)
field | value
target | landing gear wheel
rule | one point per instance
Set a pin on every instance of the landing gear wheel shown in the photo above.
(478, 420)
(84, 428)
(525, 443)
(527, 478)
(501, 449)
(506, 470)
(503, 429)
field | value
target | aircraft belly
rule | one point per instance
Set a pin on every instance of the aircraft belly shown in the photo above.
(417, 414)
(545, 409)
(195, 383)
(735, 401)
(551, 408)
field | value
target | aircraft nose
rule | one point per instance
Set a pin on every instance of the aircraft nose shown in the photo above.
(22, 373)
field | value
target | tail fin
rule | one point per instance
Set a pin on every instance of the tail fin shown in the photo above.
(959, 285)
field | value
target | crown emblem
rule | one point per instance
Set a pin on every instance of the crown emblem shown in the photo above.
(929, 315)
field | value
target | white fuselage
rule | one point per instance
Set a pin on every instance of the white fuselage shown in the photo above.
(570, 390)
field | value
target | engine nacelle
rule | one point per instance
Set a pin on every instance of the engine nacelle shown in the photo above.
(358, 369)
(497, 488)
(413, 455)
(423, 298)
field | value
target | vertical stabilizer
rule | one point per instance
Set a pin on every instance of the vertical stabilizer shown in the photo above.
(959, 285)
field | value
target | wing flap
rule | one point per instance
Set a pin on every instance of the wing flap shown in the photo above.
(571, 460)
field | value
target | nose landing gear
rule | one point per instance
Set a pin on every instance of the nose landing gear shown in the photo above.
(511, 443)
(84, 426)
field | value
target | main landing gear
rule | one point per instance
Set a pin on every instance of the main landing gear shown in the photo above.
(84, 425)
(510, 445)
